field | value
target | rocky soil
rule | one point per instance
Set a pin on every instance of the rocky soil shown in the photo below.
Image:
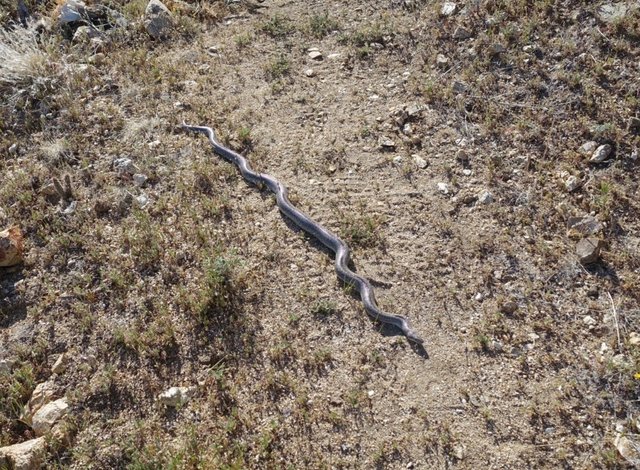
(480, 158)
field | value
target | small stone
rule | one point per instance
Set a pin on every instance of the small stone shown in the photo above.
(44, 419)
(142, 201)
(443, 188)
(629, 449)
(85, 33)
(634, 124)
(612, 12)
(478, 297)
(459, 451)
(461, 33)
(509, 307)
(442, 61)
(588, 250)
(6, 365)
(11, 247)
(386, 143)
(61, 363)
(448, 8)
(157, 20)
(124, 166)
(496, 49)
(533, 337)
(485, 197)
(634, 338)
(176, 396)
(397, 160)
(634, 155)
(28, 455)
(13, 149)
(71, 11)
(419, 161)
(334, 56)
(370, 393)
(589, 320)
(315, 55)
(139, 179)
(585, 226)
(310, 73)
(459, 87)
(153, 144)
(571, 183)
(588, 147)
(41, 395)
(601, 153)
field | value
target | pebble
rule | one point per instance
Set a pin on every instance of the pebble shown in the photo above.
(387, 143)
(139, 179)
(310, 73)
(124, 166)
(142, 201)
(419, 161)
(571, 183)
(588, 250)
(634, 338)
(589, 320)
(601, 153)
(442, 61)
(315, 55)
(334, 56)
(6, 365)
(628, 449)
(443, 188)
(461, 33)
(176, 396)
(397, 160)
(13, 149)
(485, 197)
(588, 147)
(448, 8)
(587, 225)
(509, 307)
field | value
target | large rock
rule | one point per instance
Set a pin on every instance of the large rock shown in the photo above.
(158, 20)
(27, 455)
(44, 419)
(42, 395)
(588, 250)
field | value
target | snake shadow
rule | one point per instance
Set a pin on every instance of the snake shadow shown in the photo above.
(385, 330)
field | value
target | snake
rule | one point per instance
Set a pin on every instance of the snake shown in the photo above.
(313, 228)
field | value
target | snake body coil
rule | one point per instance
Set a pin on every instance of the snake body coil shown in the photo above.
(314, 229)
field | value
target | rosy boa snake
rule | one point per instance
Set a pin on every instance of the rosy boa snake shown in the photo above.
(324, 236)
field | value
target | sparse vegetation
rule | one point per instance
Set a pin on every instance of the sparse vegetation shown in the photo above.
(153, 264)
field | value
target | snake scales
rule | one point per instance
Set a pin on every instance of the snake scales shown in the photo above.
(324, 236)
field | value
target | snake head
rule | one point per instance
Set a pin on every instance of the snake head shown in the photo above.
(412, 336)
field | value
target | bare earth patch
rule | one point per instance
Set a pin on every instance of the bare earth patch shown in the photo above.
(449, 146)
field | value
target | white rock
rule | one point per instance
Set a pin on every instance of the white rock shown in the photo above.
(315, 55)
(629, 449)
(158, 20)
(310, 73)
(589, 320)
(44, 419)
(441, 60)
(397, 160)
(71, 11)
(124, 166)
(142, 201)
(387, 142)
(571, 183)
(334, 56)
(139, 179)
(485, 197)
(28, 455)
(443, 188)
(601, 153)
(588, 147)
(419, 161)
(42, 394)
(6, 365)
(448, 8)
(176, 396)
(634, 338)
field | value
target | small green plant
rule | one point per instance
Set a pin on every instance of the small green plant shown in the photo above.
(360, 230)
(243, 40)
(278, 68)
(244, 135)
(320, 25)
(221, 286)
(15, 389)
(324, 308)
(277, 27)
